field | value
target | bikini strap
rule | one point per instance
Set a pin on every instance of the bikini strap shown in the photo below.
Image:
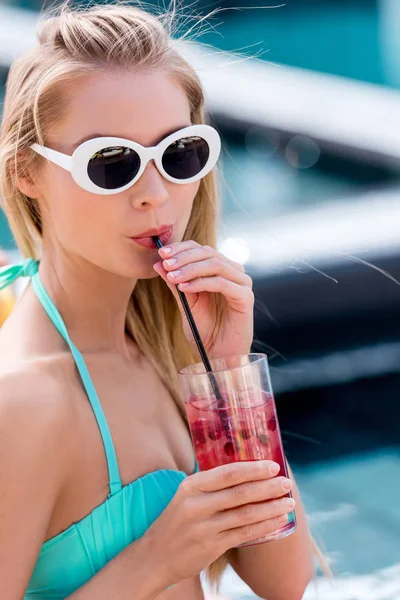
(11, 273)
(30, 268)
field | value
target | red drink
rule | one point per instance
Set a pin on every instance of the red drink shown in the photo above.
(232, 417)
(241, 427)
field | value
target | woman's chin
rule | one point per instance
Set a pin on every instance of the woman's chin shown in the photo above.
(151, 275)
(146, 272)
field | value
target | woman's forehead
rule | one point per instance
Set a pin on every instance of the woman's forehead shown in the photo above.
(142, 106)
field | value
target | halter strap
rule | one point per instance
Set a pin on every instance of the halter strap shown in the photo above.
(30, 268)
(11, 273)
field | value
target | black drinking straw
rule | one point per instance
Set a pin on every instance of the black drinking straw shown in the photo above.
(196, 336)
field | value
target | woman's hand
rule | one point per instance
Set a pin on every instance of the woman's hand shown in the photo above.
(214, 511)
(201, 271)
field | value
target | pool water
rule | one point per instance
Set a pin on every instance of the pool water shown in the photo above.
(343, 444)
(356, 39)
(353, 506)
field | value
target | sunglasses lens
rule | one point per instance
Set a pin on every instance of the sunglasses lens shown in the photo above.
(113, 168)
(186, 157)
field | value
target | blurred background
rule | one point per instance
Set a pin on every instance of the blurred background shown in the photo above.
(306, 98)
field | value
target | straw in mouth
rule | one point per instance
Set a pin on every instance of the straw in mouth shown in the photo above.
(196, 335)
(224, 420)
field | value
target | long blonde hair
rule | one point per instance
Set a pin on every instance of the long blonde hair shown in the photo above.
(72, 43)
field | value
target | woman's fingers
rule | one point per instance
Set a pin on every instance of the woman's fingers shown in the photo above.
(196, 269)
(249, 533)
(172, 249)
(254, 491)
(183, 253)
(239, 297)
(249, 514)
(227, 476)
(210, 267)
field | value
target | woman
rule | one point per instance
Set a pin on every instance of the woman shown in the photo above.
(101, 499)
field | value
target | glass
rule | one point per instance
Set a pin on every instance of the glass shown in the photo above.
(242, 424)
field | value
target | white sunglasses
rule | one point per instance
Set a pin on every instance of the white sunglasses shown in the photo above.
(108, 165)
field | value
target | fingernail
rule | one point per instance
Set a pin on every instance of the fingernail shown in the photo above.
(157, 266)
(166, 250)
(275, 468)
(287, 485)
(184, 285)
(282, 519)
(174, 274)
(289, 503)
(171, 262)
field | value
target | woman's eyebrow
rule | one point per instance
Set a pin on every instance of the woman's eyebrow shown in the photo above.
(93, 136)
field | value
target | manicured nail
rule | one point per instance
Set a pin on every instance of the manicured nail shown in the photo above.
(184, 285)
(287, 485)
(275, 468)
(166, 250)
(174, 274)
(171, 262)
(289, 503)
(282, 519)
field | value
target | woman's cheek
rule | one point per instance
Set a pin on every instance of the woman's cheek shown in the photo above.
(187, 201)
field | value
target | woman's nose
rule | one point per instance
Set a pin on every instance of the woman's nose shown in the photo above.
(149, 190)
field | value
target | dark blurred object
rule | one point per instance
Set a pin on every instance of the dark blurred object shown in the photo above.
(314, 314)
(326, 333)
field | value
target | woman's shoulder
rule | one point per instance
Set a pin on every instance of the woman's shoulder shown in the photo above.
(28, 326)
(32, 349)
(37, 373)
(33, 381)
(36, 451)
(33, 405)
(37, 432)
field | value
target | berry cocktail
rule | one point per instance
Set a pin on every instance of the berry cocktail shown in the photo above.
(241, 423)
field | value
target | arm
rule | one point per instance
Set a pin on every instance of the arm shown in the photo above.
(279, 570)
(35, 443)
(33, 446)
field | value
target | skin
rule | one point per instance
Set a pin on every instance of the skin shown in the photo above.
(90, 267)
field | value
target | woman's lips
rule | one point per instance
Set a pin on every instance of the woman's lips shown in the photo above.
(148, 242)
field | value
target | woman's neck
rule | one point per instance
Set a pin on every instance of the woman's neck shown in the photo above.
(93, 302)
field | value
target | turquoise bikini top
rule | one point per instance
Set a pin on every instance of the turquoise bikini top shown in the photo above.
(68, 560)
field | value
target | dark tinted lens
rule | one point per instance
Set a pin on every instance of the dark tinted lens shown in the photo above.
(186, 157)
(112, 168)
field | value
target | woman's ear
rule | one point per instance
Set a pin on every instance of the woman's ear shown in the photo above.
(27, 186)
(25, 179)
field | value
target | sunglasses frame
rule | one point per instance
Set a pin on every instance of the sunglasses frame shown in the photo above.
(77, 164)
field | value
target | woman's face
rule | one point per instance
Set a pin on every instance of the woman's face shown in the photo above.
(142, 107)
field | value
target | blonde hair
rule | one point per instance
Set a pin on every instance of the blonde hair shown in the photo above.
(73, 43)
